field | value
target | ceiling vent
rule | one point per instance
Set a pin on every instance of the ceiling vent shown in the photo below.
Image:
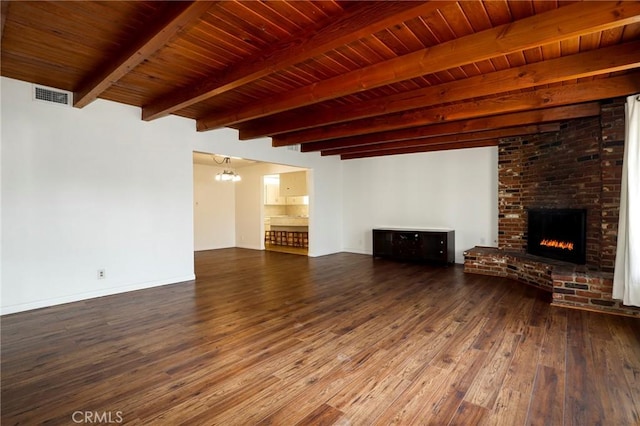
(52, 96)
(295, 147)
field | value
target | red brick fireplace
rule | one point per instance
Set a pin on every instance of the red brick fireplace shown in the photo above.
(578, 167)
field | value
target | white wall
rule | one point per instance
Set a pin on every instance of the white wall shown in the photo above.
(90, 189)
(214, 206)
(83, 189)
(446, 189)
(99, 188)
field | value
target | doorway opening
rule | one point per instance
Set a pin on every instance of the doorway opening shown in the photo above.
(286, 213)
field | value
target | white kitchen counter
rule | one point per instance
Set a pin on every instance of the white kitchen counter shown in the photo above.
(289, 221)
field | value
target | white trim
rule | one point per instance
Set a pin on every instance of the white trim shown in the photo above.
(251, 246)
(358, 251)
(5, 310)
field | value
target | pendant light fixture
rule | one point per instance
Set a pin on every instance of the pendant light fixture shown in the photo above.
(228, 175)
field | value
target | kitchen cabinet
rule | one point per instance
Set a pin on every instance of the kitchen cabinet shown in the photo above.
(418, 245)
(297, 201)
(293, 184)
(272, 195)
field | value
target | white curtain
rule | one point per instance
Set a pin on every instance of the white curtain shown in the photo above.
(626, 277)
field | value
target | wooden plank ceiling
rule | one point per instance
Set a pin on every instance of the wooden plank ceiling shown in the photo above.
(355, 79)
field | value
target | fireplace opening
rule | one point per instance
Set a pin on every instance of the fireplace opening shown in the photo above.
(558, 234)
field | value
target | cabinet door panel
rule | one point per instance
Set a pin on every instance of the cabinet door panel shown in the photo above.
(293, 184)
(407, 245)
(382, 243)
(434, 246)
(272, 195)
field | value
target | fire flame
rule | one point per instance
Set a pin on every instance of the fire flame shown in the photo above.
(564, 245)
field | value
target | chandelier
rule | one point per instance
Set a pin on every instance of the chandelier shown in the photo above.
(228, 175)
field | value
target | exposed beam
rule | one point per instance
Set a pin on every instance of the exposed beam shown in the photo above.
(463, 137)
(158, 34)
(4, 10)
(356, 23)
(540, 98)
(565, 22)
(494, 122)
(428, 148)
(581, 65)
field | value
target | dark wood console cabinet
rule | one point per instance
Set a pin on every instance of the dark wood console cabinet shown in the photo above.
(417, 245)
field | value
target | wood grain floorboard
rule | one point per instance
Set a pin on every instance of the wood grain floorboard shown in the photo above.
(546, 404)
(278, 339)
(519, 380)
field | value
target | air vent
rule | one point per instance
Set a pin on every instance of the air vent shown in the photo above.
(295, 147)
(51, 96)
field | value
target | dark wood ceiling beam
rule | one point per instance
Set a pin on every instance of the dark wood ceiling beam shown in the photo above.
(427, 148)
(457, 138)
(565, 22)
(587, 64)
(356, 23)
(456, 127)
(4, 10)
(157, 35)
(540, 98)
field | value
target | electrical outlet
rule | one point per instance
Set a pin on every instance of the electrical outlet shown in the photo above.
(102, 274)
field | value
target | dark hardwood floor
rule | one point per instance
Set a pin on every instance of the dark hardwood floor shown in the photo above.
(274, 338)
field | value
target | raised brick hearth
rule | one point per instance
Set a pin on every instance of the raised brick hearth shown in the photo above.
(573, 286)
(580, 166)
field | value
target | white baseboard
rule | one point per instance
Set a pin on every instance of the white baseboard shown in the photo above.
(357, 251)
(12, 309)
(250, 246)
